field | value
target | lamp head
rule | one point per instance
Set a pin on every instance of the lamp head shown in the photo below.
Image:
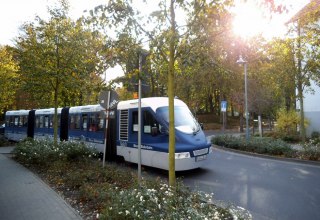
(241, 60)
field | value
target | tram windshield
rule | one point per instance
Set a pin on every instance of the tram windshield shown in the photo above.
(183, 119)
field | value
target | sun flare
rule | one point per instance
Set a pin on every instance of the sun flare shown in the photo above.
(249, 20)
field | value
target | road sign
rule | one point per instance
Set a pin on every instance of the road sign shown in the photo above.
(108, 99)
(224, 106)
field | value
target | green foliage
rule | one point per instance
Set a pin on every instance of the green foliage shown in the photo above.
(3, 141)
(287, 122)
(43, 152)
(8, 79)
(315, 135)
(258, 145)
(60, 59)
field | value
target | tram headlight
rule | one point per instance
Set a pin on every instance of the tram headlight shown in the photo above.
(182, 155)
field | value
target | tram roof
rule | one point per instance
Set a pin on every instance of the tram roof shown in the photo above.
(153, 103)
(18, 112)
(48, 111)
(86, 108)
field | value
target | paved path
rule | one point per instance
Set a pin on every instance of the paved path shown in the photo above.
(268, 188)
(25, 196)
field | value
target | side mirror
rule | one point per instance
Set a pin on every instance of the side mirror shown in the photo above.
(164, 130)
(201, 126)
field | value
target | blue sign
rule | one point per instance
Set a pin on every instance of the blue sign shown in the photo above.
(223, 106)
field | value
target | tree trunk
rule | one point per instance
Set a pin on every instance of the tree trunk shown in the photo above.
(241, 122)
(172, 174)
(55, 116)
(302, 127)
(300, 89)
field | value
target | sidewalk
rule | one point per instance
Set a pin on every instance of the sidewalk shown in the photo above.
(25, 196)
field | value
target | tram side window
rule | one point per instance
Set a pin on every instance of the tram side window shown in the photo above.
(84, 122)
(101, 122)
(149, 123)
(93, 123)
(51, 122)
(16, 120)
(135, 121)
(21, 121)
(74, 121)
(41, 124)
(11, 121)
(51, 119)
(46, 121)
(37, 121)
(25, 121)
(7, 121)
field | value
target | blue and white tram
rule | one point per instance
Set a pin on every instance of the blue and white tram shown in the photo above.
(16, 124)
(87, 124)
(191, 145)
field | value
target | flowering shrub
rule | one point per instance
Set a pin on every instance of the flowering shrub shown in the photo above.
(43, 152)
(311, 150)
(162, 202)
(112, 192)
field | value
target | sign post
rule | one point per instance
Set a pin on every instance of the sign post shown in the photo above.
(224, 116)
(108, 100)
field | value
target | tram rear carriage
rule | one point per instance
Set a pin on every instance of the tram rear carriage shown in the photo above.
(16, 125)
(191, 146)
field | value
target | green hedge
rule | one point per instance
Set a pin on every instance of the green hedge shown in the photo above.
(264, 145)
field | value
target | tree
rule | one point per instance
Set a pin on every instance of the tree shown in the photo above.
(280, 65)
(306, 27)
(193, 58)
(8, 79)
(58, 57)
(172, 54)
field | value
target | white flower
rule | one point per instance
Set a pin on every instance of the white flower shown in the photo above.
(127, 212)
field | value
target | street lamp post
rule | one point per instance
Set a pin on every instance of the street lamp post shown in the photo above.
(242, 61)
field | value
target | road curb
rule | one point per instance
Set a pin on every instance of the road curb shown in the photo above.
(308, 162)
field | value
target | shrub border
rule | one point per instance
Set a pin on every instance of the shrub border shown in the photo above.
(265, 156)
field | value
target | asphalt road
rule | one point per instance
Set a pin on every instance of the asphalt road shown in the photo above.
(268, 188)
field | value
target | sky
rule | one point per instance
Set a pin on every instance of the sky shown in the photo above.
(250, 19)
(13, 13)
